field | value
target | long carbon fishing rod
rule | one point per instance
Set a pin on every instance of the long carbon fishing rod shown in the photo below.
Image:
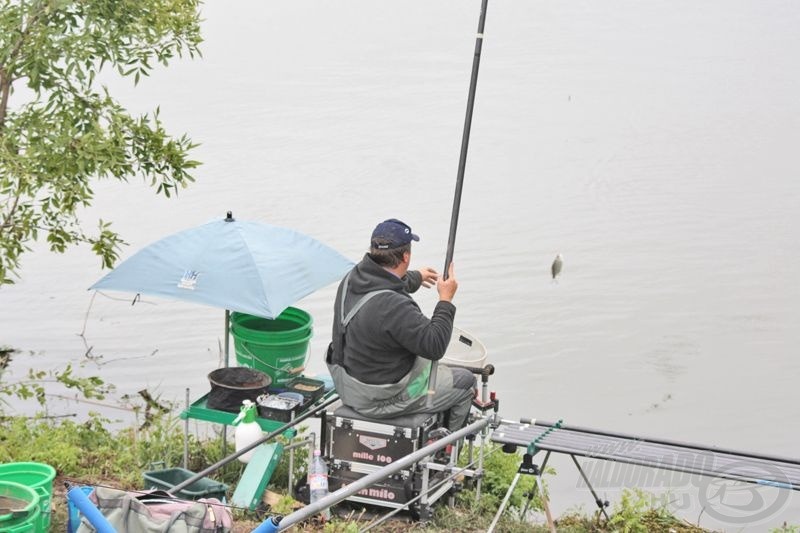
(462, 163)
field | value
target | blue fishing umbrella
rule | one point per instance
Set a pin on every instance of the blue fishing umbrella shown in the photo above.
(250, 267)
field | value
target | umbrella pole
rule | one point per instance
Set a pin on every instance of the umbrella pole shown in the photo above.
(226, 344)
(462, 163)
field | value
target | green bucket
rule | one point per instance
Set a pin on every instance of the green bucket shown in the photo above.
(276, 347)
(20, 510)
(37, 476)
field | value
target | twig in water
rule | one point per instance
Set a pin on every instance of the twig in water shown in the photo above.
(92, 402)
(86, 316)
(68, 415)
(127, 358)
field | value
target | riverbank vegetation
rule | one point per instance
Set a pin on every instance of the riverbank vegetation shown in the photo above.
(87, 452)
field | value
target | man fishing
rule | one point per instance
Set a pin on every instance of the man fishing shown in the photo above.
(382, 347)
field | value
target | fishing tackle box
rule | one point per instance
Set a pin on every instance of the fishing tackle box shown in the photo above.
(353, 438)
(393, 491)
(357, 446)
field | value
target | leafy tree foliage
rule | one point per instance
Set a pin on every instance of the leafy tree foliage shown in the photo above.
(60, 129)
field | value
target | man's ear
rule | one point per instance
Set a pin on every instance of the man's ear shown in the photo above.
(407, 257)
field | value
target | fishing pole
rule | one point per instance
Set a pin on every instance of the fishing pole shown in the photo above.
(462, 163)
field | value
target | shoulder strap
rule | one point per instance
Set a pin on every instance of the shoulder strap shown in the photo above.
(359, 304)
(346, 318)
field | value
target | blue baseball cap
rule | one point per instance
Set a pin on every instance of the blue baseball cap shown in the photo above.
(392, 233)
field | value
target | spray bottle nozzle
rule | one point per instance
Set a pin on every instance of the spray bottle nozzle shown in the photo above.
(244, 410)
(247, 412)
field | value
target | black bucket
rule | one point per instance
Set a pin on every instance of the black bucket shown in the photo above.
(230, 386)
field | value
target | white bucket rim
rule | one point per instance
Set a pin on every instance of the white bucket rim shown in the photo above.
(476, 351)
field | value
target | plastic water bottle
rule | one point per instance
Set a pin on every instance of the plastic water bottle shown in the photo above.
(318, 481)
(247, 429)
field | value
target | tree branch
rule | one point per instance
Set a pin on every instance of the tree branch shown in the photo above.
(5, 89)
(10, 214)
(5, 74)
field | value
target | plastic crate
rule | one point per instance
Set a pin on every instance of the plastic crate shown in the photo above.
(171, 477)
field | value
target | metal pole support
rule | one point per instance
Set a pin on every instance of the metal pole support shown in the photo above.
(502, 508)
(186, 435)
(601, 504)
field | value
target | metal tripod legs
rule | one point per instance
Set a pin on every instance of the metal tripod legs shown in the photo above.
(527, 467)
(601, 504)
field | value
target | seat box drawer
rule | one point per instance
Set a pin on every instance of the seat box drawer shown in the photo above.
(358, 441)
(391, 492)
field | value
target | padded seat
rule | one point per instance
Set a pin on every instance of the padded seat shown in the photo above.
(404, 421)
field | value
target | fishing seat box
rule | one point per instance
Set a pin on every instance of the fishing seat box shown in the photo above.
(357, 446)
(394, 491)
(354, 438)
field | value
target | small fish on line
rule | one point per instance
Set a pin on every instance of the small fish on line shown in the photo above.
(555, 268)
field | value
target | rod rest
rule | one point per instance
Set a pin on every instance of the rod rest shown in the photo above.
(486, 371)
(491, 405)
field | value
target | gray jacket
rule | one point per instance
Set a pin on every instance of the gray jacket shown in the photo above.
(384, 338)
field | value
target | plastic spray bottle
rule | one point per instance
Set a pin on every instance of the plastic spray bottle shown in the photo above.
(318, 481)
(247, 429)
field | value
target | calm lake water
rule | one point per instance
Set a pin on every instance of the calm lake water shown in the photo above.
(653, 144)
